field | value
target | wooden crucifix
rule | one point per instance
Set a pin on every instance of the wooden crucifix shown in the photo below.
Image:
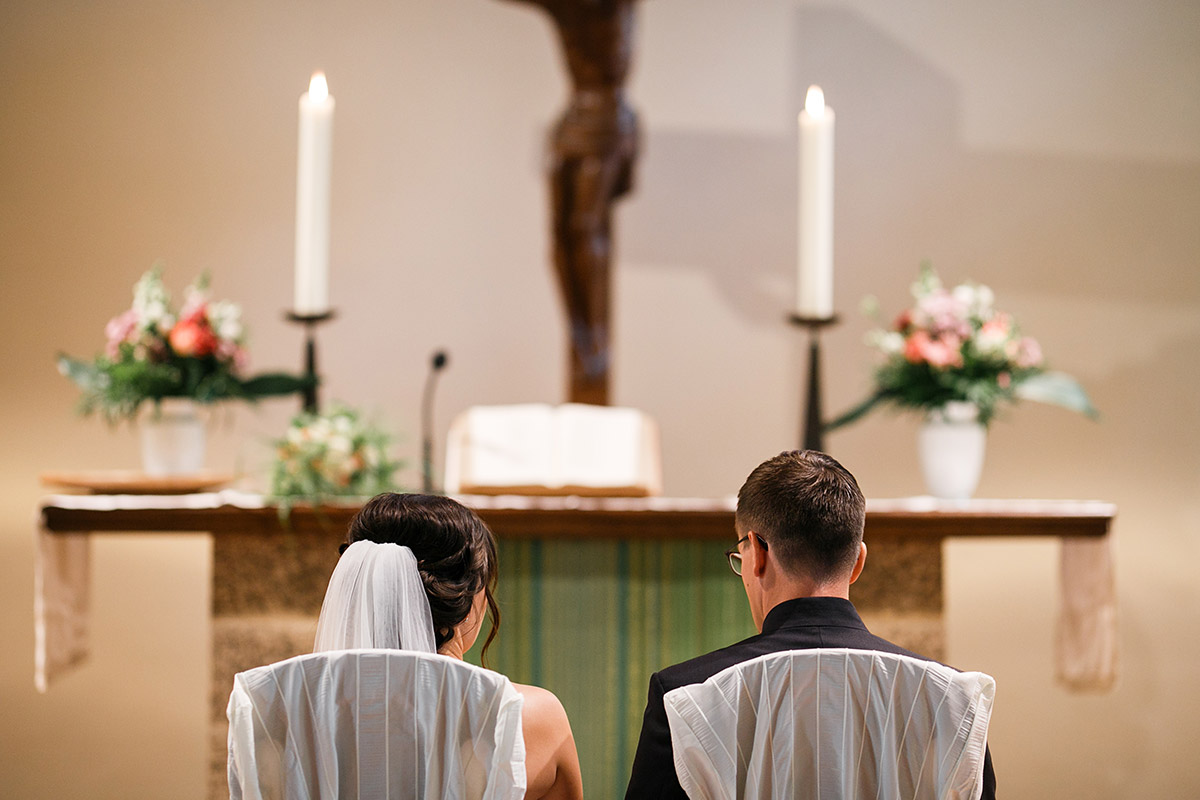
(592, 148)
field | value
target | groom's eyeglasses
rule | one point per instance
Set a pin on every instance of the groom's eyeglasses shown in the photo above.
(735, 557)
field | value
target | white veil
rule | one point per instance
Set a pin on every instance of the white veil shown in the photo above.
(375, 599)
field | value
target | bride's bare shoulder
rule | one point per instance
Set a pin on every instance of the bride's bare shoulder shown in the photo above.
(542, 709)
(552, 765)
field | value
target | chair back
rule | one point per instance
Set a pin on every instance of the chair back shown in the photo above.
(832, 724)
(375, 724)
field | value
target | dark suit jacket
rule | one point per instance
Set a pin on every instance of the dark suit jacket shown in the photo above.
(798, 624)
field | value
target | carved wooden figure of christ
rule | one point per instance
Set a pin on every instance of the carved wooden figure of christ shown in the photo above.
(592, 148)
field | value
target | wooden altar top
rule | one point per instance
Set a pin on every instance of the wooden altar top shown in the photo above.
(573, 517)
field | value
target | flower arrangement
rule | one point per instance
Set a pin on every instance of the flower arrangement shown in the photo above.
(153, 353)
(954, 346)
(329, 455)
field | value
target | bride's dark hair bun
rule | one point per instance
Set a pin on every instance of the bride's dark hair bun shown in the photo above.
(455, 551)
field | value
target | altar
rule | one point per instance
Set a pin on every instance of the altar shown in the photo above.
(595, 593)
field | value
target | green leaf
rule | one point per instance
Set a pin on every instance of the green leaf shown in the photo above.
(855, 413)
(85, 376)
(275, 384)
(1057, 389)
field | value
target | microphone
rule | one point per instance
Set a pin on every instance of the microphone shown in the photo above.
(436, 364)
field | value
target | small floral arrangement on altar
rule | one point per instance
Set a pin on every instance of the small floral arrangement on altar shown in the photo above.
(154, 353)
(953, 346)
(330, 455)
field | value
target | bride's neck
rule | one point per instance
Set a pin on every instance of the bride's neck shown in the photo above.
(456, 647)
(448, 649)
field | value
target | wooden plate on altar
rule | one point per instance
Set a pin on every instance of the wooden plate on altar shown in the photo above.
(119, 481)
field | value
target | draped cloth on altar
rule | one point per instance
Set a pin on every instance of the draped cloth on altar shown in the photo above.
(62, 576)
(673, 575)
(61, 581)
(1086, 640)
(1086, 645)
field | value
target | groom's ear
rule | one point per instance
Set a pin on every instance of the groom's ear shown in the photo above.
(758, 549)
(859, 563)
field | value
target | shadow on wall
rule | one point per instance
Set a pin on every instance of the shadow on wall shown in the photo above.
(906, 189)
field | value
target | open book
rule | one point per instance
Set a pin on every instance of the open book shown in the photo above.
(554, 450)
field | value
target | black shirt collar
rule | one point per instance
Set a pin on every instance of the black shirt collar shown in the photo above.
(802, 611)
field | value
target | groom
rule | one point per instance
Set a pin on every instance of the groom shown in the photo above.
(799, 525)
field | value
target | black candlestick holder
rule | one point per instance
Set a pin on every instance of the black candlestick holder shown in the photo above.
(810, 416)
(310, 323)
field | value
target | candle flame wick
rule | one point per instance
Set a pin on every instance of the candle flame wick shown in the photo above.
(318, 88)
(814, 102)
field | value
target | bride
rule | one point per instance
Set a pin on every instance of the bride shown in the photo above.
(454, 556)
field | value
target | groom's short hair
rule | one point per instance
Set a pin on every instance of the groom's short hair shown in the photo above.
(810, 511)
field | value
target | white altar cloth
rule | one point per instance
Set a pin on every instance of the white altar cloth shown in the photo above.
(1086, 645)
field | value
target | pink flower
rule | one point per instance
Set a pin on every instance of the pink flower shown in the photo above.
(231, 352)
(192, 336)
(998, 326)
(914, 347)
(1029, 353)
(1004, 380)
(120, 330)
(942, 313)
(944, 351)
(993, 337)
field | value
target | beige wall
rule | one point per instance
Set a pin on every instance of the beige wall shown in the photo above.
(1050, 150)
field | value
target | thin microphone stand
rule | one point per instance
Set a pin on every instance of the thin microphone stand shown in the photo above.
(436, 364)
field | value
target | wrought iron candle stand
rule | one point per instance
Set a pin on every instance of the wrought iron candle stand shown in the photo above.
(310, 323)
(810, 417)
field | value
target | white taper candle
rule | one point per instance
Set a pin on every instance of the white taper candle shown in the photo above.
(814, 284)
(312, 198)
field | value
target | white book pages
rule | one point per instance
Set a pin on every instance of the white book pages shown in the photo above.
(598, 446)
(543, 449)
(509, 445)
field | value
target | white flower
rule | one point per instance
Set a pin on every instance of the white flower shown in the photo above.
(320, 429)
(226, 320)
(888, 342)
(891, 343)
(154, 314)
(194, 300)
(371, 455)
(984, 298)
(346, 468)
(993, 336)
(927, 284)
(334, 463)
(976, 298)
(990, 342)
(965, 294)
(151, 302)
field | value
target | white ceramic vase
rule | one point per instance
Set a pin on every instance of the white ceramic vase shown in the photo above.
(173, 438)
(951, 445)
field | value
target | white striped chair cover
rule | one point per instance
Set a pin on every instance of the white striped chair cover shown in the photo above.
(831, 724)
(375, 724)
